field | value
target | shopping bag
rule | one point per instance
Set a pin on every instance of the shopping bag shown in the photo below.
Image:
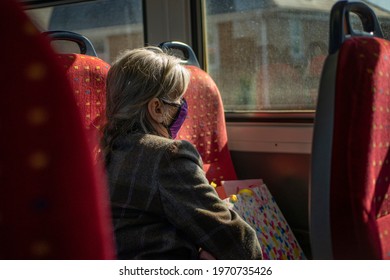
(252, 200)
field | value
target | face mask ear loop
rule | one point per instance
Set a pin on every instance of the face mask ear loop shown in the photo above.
(167, 126)
(168, 130)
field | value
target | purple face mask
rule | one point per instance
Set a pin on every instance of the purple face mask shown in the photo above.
(178, 120)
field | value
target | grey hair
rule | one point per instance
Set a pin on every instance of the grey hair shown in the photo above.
(136, 77)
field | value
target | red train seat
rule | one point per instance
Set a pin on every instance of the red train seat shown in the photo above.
(54, 203)
(205, 126)
(87, 76)
(349, 207)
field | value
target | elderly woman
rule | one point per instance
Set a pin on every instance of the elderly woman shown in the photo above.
(163, 207)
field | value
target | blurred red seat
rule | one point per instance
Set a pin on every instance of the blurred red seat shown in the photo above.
(54, 203)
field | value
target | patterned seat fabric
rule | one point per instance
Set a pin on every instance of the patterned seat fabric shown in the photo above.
(53, 201)
(360, 204)
(205, 126)
(87, 76)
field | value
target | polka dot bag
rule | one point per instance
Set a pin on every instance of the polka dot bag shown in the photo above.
(252, 200)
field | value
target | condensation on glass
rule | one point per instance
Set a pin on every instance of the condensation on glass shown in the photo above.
(112, 26)
(268, 55)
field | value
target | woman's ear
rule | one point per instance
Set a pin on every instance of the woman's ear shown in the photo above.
(155, 108)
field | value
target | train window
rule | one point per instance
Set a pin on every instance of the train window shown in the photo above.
(268, 55)
(382, 4)
(111, 25)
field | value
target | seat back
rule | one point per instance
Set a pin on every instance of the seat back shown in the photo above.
(205, 125)
(87, 75)
(54, 203)
(206, 128)
(349, 189)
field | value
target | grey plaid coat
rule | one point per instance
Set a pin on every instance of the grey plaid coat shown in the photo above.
(164, 208)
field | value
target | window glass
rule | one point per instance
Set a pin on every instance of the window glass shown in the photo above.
(110, 25)
(381, 4)
(268, 55)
